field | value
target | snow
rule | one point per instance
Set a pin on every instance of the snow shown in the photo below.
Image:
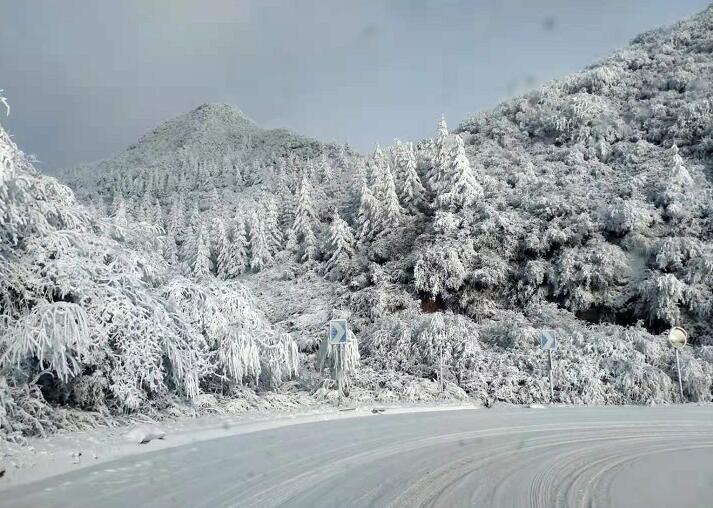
(583, 207)
(144, 434)
(58, 454)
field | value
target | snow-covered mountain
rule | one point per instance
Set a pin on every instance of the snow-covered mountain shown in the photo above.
(211, 131)
(584, 208)
(586, 202)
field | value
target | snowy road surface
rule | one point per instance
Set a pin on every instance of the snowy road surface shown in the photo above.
(612, 456)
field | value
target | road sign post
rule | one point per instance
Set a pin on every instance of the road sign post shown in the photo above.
(552, 385)
(440, 373)
(548, 342)
(338, 338)
(678, 337)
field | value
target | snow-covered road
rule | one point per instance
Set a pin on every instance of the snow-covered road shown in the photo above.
(610, 456)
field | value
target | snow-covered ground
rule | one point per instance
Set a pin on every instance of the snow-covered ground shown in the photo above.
(510, 456)
(58, 454)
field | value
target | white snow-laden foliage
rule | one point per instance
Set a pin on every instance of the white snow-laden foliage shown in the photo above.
(302, 235)
(584, 207)
(411, 191)
(56, 335)
(92, 317)
(340, 360)
(340, 246)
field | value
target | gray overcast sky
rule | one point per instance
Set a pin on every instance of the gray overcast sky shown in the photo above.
(85, 78)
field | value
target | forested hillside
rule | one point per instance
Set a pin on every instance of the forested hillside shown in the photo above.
(585, 207)
(92, 317)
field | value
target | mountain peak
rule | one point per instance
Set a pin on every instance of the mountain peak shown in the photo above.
(220, 110)
(210, 123)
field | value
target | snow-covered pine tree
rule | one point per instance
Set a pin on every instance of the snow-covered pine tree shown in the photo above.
(679, 172)
(194, 219)
(341, 244)
(231, 176)
(254, 173)
(325, 168)
(391, 208)
(220, 247)
(176, 220)
(411, 191)
(120, 214)
(235, 261)
(170, 252)
(398, 158)
(146, 207)
(458, 186)
(201, 263)
(274, 235)
(259, 248)
(309, 247)
(287, 204)
(377, 166)
(439, 158)
(303, 239)
(368, 216)
(214, 201)
(156, 215)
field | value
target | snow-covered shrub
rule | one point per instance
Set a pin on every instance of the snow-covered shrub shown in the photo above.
(661, 296)
(624, 216)
(417, 344)
(280, 359)
(642, 383)
(590, 275)
(440, 268)
(697, 378)
(56, 335)
(509, 330)
(339, 358)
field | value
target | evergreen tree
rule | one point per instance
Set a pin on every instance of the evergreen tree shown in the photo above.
(392, 211)
(325, 168)
(309, 247)
(272, 226)
(440, 158)
(214, 202)
(411, 191)
(156, 215)
(302, 233)
(287, 205)
(679, 172)
(398, 156)
(201, 263)
(220, 245)
(194, 218)
(170, 252)
(341, 243)
(120, 214)
(144, 209)
(368, 215)
(376, 171)
(176, 220)
(459, 188)
(259, 247)
(231, 175)
(235, 259)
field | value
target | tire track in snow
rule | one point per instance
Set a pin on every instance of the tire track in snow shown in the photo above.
(580, 457)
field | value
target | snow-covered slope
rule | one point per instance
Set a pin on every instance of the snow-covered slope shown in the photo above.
(585, 207)
(93, 318)
(214, 130)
